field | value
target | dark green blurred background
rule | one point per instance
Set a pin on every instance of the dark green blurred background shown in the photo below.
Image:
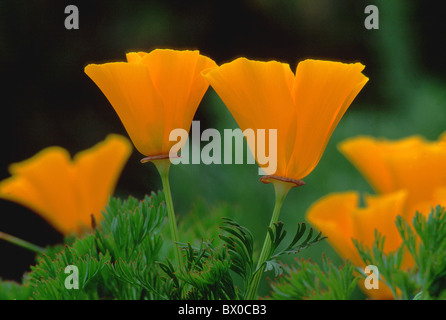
(48, 100)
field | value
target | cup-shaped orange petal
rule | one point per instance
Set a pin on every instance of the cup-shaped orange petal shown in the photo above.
(413, 164)
(154, 93)
(322, 91)
(258, 95)
(332, 215)
(304, 107)
(339, 217)
(67, 192)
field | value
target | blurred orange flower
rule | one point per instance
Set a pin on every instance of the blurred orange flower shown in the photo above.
(340, 218)
(412, 164)
(67, 192)
(305, 108)
(408, 175)
(153, 93)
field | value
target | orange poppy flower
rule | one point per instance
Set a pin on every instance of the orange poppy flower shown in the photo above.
(301, 110)
(304, 108)
(67, 192)
(408, 175)
(339, 217)
(153, 93)
(412, 164)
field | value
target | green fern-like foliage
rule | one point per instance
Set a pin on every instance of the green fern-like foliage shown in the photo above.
(424, 239)
(129, 256)
(426, 243)
(11, 290)
(306, 280)
(203, 222)
(209, 271)
(128, 235)
(205, 275)
(278, 233)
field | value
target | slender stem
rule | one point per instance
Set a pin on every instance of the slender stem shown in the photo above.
(163, 166)
(281, 190)
(21, 243)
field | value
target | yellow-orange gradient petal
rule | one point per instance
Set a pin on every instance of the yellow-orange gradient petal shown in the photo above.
(176, 76)
(97, 172)
(66, 193)
(258, 95)
(420, 171)
(332, 215)
(304, 109)
(339, 217)
(425, 206)
(439, 197)
(412, 164)
(365, 155)
(370, 156)
(43, 183)
(380, 214)
(322, 92)
(154, 93)
(129, 89)
(135, 56)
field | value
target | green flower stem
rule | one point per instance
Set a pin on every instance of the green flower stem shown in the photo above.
(281, 190)
(21, 243)
(163, 166)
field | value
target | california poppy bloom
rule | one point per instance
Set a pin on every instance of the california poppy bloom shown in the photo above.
(340, 217)
(412, 164)
(408, 175)
(64, 191)
(304, 107)
(154, 93)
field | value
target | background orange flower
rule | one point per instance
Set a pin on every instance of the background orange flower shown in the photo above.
(412, 164)
(67, 192)
(408, 175)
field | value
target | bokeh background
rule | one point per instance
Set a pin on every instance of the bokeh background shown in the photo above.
(48, 100)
